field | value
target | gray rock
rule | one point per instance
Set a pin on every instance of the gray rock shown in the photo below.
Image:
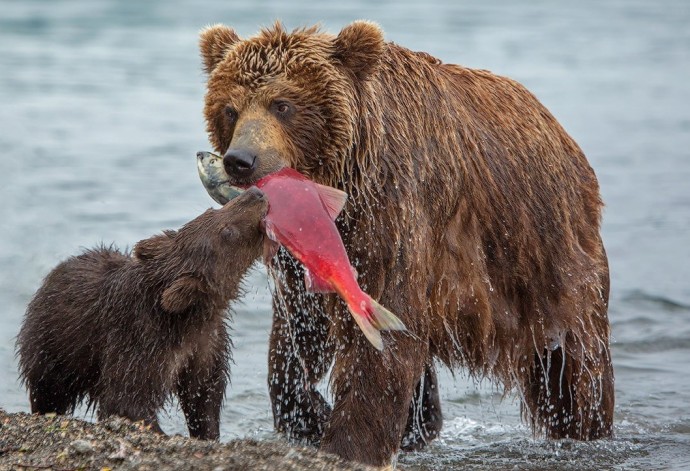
(83, 447)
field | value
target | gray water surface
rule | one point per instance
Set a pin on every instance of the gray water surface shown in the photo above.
(101, 117)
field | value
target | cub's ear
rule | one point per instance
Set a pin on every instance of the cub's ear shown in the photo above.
(359, 47)
(214, 42)
(149, 248)
(182, 293)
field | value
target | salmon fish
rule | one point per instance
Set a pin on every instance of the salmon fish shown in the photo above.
(300, 217)
(214, 178)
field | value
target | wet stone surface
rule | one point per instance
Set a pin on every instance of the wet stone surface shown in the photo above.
(30, 442)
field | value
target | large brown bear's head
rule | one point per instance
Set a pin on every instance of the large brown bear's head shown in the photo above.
(287, 98)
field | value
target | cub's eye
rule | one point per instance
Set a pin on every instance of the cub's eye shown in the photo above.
(230, 233)
(282, 108)
(230, 114)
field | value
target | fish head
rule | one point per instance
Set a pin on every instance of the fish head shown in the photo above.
(211, 171)
(213, 176)
(288, 98)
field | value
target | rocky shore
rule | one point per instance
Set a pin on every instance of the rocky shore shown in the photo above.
(59, 443)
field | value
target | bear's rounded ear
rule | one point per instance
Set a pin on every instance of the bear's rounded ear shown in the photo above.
(182, 294)
(214, 42)
(150, 248)
(359, 46)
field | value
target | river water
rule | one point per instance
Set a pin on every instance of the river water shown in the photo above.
(100, 119)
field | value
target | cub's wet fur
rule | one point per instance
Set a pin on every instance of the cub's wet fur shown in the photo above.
(125, 332)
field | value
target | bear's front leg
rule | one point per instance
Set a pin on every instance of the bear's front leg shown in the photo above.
(373, 390)
(201, 388)
(299, 356)
(127, 404)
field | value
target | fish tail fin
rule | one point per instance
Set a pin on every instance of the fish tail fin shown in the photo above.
(370, 331)
(383, 319)
(377, 318)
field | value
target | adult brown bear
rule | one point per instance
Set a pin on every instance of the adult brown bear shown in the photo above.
(472, 215)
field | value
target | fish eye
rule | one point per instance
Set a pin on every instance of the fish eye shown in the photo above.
(230, 113)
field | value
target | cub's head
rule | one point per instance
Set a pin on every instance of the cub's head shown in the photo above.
(208, 257)
(286, 98)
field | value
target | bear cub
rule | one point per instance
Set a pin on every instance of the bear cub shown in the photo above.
(125, 332)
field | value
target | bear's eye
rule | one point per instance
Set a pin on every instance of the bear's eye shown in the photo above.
(230, 114)
(282, 108)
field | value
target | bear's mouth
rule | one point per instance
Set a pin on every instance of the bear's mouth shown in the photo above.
(242, 184)
(246, 182)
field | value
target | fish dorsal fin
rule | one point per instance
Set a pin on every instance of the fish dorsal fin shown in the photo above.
(314, 284)
(333, 199)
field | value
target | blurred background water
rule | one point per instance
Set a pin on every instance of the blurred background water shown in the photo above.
(100, 119)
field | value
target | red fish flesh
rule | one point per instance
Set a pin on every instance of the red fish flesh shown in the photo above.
(300, 218)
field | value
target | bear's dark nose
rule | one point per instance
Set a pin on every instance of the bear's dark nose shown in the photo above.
(239, 163)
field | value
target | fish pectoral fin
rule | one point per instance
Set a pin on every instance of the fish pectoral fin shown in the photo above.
(333, 199)
(270, 250)
(314, 284)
